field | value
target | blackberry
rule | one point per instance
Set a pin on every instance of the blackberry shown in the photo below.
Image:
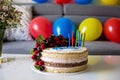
(40, 50)
(34, 49)
(60, 37)
(42, 68)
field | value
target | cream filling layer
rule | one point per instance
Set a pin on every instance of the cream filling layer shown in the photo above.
(63, 61)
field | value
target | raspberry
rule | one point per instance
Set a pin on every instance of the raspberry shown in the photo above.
(51, 45)
(36, 45)
(35, 52)
(42, 46)
(36, 63)
(62, 41)
(64, 44)
(34, 57)
(60, 37)
(56, 39)
(58, 42)
(41, 63)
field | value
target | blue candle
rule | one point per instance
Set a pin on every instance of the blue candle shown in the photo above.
(79, 39)
(69, 39)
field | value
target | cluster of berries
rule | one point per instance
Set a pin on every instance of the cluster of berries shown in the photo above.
(41, 44)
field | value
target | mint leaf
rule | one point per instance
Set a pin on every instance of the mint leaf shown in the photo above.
(37, 40)
(41, 37)
(37, 67)
(31, 51)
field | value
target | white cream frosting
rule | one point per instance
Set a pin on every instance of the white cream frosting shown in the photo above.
(65, 49)
(63, 61)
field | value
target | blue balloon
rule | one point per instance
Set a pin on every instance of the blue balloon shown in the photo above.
(40, 1)
(64, 27)
(83, 1)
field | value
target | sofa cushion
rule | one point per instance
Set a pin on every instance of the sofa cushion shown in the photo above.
(94, 48)
(103, 48)
(47, 9)
(77, 19)
(91, 10)
(21, 32)
(51, 18)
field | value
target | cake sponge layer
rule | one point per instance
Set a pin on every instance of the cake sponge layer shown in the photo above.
(65, 70)
(65, 56)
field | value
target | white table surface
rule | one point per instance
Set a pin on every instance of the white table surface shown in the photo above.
(20, 69)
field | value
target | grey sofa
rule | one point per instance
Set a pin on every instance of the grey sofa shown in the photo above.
(76, 13)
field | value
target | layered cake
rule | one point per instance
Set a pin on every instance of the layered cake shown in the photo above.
(56, 56)
(65, 59)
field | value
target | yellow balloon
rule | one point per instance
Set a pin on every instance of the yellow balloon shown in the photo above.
(110, 2)
(92, 28)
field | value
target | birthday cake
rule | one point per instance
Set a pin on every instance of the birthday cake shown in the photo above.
(54, 55)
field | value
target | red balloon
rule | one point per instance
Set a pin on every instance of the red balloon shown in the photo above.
(62, 1)
(72, 1)
(112, 29)
(40, 26)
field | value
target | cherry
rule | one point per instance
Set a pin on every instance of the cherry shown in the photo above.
(41, 63)
(34, 57)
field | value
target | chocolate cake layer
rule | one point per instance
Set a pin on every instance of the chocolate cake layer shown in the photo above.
(65, 64)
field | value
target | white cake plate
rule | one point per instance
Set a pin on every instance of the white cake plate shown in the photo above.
(58, 74)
